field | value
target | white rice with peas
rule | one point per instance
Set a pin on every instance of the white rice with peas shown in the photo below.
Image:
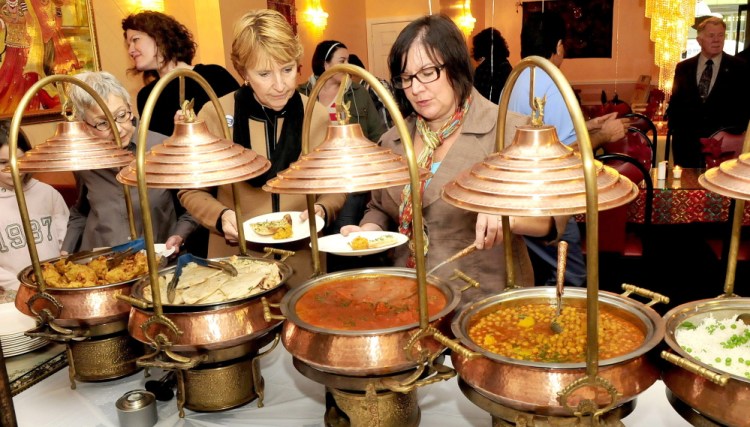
(721, 343)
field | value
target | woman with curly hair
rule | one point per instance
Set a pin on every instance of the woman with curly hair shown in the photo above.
(490, 50)
(158, 44)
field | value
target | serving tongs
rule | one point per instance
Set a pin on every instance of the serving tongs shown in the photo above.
(120, 253)
(562, 257)
(185, 259)
(460, 254)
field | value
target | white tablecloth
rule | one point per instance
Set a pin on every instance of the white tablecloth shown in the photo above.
(291, 400)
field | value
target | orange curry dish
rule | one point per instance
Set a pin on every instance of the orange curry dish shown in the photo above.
(523, 332)
(368, 302)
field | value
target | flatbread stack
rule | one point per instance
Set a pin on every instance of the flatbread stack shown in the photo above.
(205, 285)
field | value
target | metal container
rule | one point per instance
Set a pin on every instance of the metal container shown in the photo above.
(137, 408)
(728, 404)
(534, 386)
(351, 352)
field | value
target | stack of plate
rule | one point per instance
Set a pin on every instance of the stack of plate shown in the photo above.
(13, 324)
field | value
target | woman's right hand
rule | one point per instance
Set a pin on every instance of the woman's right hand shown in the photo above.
(345, 230)
(229, 226)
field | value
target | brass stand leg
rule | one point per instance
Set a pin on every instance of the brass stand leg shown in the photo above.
(71, 366)
(181, 392)
(7, 414)
(258, 381)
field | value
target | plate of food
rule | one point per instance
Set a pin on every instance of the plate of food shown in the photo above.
(278, 227)
(361, 243)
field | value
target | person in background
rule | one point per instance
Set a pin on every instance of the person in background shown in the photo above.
(453, 128)
(385, 116)
(708, 94)
(99, 217)
(267, 114)
(363, 111)
(158, 44)
(47, 211)
(544, 34)
(490, 50)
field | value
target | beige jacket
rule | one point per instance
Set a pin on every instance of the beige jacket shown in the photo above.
(206, 208)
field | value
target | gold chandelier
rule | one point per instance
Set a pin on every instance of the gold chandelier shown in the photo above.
(670, 20)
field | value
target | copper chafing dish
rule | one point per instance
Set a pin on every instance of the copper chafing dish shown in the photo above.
(216, 325)
(79, 307)
(361, 353)
(717, 395)
(535, 386)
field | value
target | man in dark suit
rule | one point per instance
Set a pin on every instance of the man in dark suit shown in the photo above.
(709, 93)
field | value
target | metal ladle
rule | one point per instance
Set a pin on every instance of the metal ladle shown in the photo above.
(562, 256)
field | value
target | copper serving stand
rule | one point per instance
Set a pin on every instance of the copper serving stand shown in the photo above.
(378, 394)
(501, 385)
(700, 393)
(193, 158)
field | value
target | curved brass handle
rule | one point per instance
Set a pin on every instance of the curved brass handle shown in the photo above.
(587, 406)
(283, 253)
(53, 332)
(159, 319)
(267, 315)
(460, 275)
(716, 378)
(454, 345)
(135, 302)
(655, 297)
(44, 296)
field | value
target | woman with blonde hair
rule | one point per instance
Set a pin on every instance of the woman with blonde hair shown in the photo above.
(265, 115)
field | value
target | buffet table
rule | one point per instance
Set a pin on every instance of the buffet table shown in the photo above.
(291, 400)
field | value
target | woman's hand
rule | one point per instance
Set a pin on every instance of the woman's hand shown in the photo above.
(229, 226)
(174, 242)
(489, 231)
(345, 230)
(319, 211)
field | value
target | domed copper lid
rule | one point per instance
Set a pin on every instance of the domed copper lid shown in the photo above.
(345, 162)
(193, 158)
(535, 176)
(73, 148)
(731, 178)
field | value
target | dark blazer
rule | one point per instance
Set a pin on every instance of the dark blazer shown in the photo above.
(691, 119)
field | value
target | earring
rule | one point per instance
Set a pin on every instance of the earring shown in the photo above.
(247, 83)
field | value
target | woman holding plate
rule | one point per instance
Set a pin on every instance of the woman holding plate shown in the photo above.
(453, 127)
(265, 115)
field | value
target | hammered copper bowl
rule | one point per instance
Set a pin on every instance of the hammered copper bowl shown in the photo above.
(81, 307)
(361, 353)
(534, 386)
(728, 404)
(212, 326)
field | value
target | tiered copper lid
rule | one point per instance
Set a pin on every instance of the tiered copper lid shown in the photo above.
(345, 162)
(193, 158)
(731, 178)
(73, 148)
(535, 176)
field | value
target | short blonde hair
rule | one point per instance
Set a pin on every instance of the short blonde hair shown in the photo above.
(103, 83)
(713, 20)
(262, 36)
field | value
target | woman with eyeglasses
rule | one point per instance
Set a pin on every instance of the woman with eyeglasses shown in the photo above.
(452, 127)
(99, 218)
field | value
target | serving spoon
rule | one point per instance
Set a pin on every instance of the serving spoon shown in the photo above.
(562, 257)
(187, 258)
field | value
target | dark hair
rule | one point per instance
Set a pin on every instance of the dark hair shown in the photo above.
(354, 60)
(323, 52)
(440, 37)
(173, 40)
(540, 34)
(23, 142)
(489, 43)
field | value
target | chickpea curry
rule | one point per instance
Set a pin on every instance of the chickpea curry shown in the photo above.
(366, 303)
(523, 332)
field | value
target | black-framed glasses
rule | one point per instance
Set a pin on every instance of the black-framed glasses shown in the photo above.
(425, 75)
(120, 117)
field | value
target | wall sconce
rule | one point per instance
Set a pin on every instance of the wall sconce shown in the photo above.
(466, 21)
(140, 5)
(315, 15)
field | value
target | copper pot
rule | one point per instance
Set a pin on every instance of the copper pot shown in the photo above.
(727, 404)
(361, 353)
(534, 386)
(81, 307)
(212, 326)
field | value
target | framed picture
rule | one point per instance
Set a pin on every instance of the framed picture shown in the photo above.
(286, 8)
(39, 38)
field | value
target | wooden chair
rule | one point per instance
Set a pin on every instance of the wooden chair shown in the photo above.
(729, 141)
(635, 144)
(645, 125)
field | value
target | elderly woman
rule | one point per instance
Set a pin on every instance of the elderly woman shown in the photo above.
(99, 216)
(266, 116)
(453, 127)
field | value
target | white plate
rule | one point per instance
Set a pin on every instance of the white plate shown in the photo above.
(161, 250)
(339, 245)
(13, 321)
(300, 230)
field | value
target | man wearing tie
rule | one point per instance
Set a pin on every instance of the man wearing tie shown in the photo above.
(710, 92)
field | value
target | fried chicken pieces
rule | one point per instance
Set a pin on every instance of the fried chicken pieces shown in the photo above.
(64, 274)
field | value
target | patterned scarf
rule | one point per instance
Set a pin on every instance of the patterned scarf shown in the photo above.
(431, 141)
